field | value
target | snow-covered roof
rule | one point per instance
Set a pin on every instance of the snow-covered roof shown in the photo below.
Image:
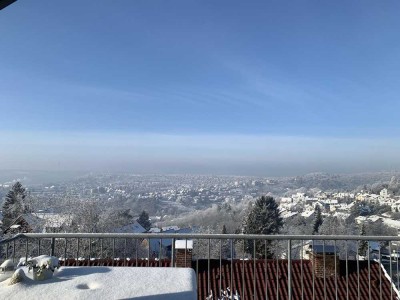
(107, 283)
(307, 213)
(169, 228)
(54, 220)
(155, 243)
(288, 214)
(342, 215)
(286, 199)
(131, 228)
(184, 244)
(374, 218)
(36, 224)
(392, 223)
(33, 221)
(360, 219)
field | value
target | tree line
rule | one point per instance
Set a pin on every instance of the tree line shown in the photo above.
(81, 215)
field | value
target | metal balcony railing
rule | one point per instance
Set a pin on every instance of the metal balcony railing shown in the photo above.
(249, 266)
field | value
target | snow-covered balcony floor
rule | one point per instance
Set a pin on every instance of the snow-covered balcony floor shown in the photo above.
(107, 283)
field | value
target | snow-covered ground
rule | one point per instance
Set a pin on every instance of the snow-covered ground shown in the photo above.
(106, 283)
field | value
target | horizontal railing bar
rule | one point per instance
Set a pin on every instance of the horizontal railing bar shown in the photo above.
(202, 236)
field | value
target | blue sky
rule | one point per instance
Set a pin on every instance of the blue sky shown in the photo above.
(259, 87)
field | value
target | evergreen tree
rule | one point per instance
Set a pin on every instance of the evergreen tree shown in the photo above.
(224, 231)
(264, 218)
(362, 245)
(317, 219)
(225, 245)
(144, 220)
(14, 204)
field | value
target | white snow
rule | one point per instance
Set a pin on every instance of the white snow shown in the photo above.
(184, 244)
(106, 283)
(7, 263)
(43, 260)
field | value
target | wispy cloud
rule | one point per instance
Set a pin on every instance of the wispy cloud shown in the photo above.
(270, 84)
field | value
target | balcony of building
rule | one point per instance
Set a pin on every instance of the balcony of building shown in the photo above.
(241, 266)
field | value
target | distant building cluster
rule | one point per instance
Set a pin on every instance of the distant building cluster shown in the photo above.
(340, 204)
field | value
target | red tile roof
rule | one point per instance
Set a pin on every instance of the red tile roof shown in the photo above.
(271, 279)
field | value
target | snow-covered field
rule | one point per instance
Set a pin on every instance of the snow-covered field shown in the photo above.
(106, 283)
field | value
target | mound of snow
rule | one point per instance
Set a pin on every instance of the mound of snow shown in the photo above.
(107, 283)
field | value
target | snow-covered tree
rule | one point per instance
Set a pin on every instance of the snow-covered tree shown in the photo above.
(264, 218)
(14, 204)
(317, 219)
(333, 225)
(144, 220)
(224, 230)
(363, 245)
(379, 229)
(225, 245)
(113, 219)
(204, 248)
(86, 217)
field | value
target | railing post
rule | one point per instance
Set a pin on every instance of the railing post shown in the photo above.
(390, 270)
(173, 252)
(26, 250)
(231, 279)
(324, 263)
(347, 269)
(301, 269)
(159, 253)
(185, 252)
(101, 250)
(289, 269)
(65, 252)
(13, 257)
(90, 250)
(77, 253)
(113, 251)
(313, 272)
(136, 253)
(208, 268)
(220, 267)
(125, 255)
(254, 270)
(53, 241)
(148, 252)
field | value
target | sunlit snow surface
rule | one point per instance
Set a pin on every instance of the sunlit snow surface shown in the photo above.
(106, 283)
